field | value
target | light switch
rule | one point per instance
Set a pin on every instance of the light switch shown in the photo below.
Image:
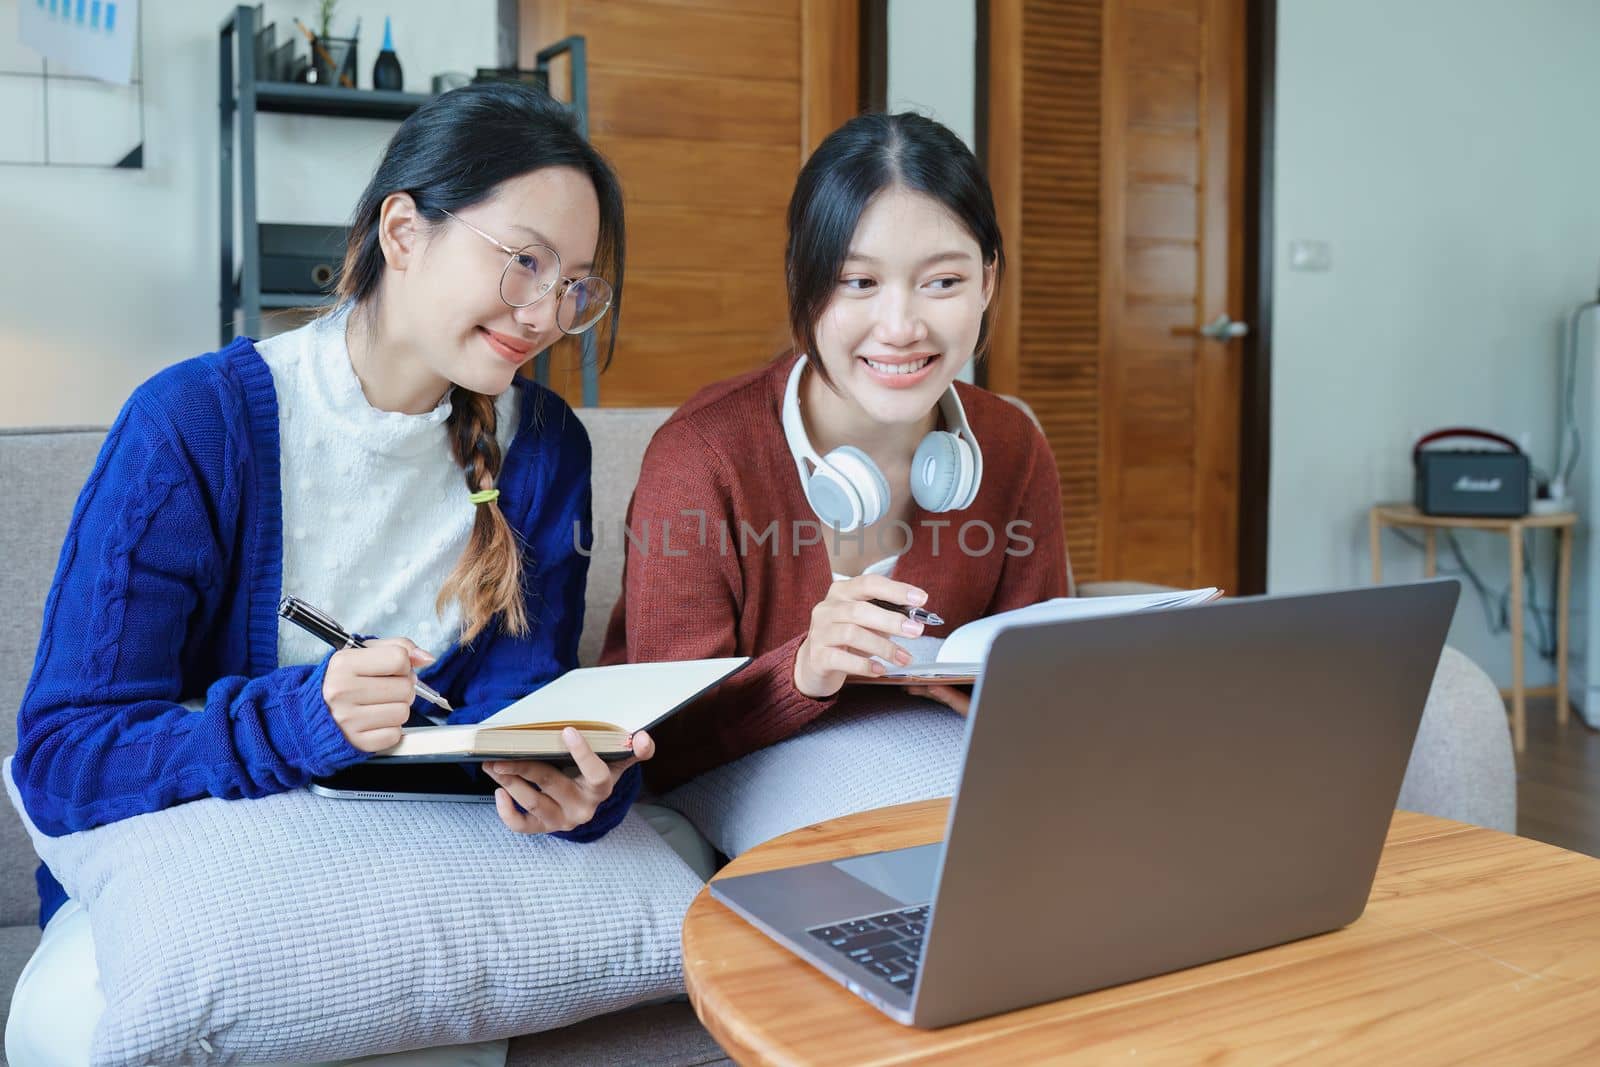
(1310, 255)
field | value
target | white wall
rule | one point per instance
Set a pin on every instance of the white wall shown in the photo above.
(106, 276)
(80, 329)
(932, 68)
(932, 62)
(1448, 151)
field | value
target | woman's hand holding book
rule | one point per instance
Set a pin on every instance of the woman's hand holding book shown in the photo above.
(539, 798)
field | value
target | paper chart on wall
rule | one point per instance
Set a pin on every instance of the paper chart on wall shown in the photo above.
(71, 86)
(94, 38)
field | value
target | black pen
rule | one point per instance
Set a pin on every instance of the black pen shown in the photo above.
(921, 615)
(323, 628)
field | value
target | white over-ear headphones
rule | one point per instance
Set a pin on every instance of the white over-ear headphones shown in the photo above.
(847, 490)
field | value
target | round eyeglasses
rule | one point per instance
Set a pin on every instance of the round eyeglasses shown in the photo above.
(533, 270)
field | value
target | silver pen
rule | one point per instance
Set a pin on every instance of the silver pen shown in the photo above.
(927, 618)
(321, 626)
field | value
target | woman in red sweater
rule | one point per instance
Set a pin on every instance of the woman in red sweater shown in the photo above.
(774, 508)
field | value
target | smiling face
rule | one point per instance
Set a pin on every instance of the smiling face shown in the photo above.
(445, 291)
(907, 310)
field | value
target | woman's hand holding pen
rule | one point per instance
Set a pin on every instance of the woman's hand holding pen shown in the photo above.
(369, 690)
(847, 630)
(550, 801)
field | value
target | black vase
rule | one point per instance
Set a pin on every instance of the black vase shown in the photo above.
(386, 73)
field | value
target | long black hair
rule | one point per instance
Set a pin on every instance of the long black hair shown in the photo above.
(452, 153)
(853, 164)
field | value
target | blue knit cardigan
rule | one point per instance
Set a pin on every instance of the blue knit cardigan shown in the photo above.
(167, 591)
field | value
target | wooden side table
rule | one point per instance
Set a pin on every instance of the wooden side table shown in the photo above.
(1475, 946)
(1563, 522)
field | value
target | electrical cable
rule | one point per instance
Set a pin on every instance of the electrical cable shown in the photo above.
(1496, 604)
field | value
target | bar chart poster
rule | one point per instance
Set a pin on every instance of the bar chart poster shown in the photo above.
(94, 38)
(71, 91)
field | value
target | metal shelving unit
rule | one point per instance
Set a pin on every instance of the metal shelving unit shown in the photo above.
(242, 96)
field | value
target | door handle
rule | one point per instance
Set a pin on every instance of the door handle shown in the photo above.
(1222, 328)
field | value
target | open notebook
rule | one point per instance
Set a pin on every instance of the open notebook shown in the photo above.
(958, 659)
(606, 704)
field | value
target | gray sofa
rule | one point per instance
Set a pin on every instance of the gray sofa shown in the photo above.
(1462, 766)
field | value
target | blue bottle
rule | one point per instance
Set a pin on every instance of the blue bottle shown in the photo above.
(386, 72)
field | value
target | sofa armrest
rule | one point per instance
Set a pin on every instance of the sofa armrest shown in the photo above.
(1462, 766)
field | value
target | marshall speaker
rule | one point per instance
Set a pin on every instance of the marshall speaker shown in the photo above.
(1485, 483)
(297, 258)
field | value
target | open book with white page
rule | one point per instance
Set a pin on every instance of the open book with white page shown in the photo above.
(607, 705)
(958, 659)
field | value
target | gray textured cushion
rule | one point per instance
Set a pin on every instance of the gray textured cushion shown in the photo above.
(879, 747)
(41, 472)
(1462, 766)
(681, 836)
(297, 927)
(619, 437)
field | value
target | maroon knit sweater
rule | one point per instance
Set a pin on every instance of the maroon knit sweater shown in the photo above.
(708, 574)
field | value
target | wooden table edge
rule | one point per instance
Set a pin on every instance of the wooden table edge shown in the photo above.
(715, 1011)
(1396, 514)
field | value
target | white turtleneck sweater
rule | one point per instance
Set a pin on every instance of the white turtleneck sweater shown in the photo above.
(375, 508)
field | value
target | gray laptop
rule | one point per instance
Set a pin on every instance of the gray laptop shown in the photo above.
(1138, 795)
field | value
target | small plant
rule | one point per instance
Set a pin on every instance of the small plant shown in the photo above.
(325, 17)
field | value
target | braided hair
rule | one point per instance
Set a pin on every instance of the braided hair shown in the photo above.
(451, 153)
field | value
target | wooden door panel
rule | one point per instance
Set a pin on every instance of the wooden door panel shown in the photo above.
(683, 301)
(703, 174)
(743, 242)
(1161, 272)
(1162, 97)
(1116, 151)
(693, 41)
(1155, 329)
(1188, 8)
(667, 368)
(1155, 39)
(1157, 492)
(774, 9)
(1164, 381)
(1144, 546)
(1154, 432)
(1044, 164)
(1162, 213)
(706, 108)
(1163, 157)
(1162, 123)
(633, 104)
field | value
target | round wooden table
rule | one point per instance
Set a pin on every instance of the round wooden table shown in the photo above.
(1476, 946)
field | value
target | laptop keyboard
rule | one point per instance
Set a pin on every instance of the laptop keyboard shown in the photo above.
(888, 944)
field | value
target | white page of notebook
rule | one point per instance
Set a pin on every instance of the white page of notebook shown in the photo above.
(970, 643)
(968, 646)
(631, 695)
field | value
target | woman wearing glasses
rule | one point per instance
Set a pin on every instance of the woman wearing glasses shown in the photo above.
(386, 463)
(799, 512)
